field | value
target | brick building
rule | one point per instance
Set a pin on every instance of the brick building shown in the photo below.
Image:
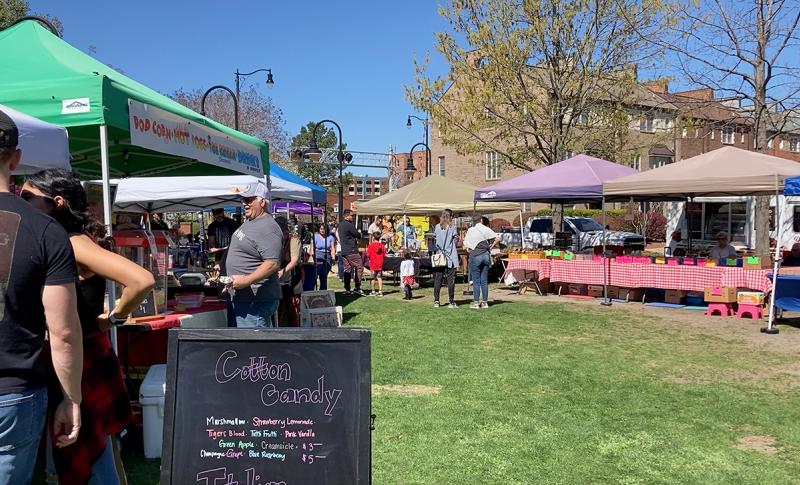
(362, 188)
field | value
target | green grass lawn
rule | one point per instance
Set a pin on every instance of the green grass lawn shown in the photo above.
(531, 392)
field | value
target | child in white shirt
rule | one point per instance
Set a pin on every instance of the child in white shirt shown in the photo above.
(407, 275)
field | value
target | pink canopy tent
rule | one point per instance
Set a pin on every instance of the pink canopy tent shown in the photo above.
(574, 180)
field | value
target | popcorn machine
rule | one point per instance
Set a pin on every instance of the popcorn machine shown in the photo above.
(150, 250)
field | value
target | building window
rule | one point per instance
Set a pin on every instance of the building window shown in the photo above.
(646, 123)
(582, 119)
(441, 166)
(742, 140)
(769, 143)
(637, 162)
(685, 133)
(564, 154)
(727, 135)
(712, 133)
(697, 132)
(492, 166)
(794, 144)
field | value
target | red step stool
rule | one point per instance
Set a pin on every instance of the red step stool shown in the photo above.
(721, 309)
(755, 311)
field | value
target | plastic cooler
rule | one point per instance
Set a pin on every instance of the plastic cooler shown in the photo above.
(151, 397)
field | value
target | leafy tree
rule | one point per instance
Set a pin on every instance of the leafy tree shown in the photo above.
(11, 10)
(533, 79)
(326, 171)
(745, 51)
(258, 116)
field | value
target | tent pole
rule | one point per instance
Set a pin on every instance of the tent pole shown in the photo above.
(201, 223)
(771, 329)
(521, 226)
(106, 171)
(606, 264)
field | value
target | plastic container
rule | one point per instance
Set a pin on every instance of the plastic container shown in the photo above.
(189, 300)
(151, 397)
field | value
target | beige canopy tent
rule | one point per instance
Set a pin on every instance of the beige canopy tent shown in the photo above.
(727, 171)
(430, 195)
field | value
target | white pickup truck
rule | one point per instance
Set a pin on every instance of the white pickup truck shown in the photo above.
(586, 233)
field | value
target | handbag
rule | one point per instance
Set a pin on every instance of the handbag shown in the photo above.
(438, 260)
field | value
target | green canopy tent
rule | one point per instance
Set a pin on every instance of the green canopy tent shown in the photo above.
(45, 77)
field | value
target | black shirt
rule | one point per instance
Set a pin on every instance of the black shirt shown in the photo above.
(349, 238)
(34, 251)
(222, 232)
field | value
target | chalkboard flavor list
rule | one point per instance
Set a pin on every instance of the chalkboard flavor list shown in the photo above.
(267, 407)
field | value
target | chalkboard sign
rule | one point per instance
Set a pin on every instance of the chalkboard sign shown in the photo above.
(267, 407)
(147, 307)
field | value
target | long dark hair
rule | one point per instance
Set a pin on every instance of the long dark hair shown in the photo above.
(74, 216)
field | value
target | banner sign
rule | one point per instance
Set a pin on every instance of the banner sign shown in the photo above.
(165, 132)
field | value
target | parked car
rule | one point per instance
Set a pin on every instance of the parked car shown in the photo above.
(586, 234)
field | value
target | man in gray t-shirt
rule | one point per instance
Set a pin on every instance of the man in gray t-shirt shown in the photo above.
(253, 262)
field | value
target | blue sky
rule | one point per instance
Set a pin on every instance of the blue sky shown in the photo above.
(343, 60)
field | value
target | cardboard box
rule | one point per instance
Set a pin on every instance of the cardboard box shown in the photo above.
(674, 297)
(631, 294)
(752, 263)
(720, 294)
(577, 289)
(750, 298)
(613, 292)
(595, 291)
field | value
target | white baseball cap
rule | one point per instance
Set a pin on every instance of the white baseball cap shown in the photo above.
(257, 189)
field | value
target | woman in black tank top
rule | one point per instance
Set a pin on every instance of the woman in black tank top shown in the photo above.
(105, 409)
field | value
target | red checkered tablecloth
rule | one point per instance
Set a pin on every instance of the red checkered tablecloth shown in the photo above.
(688, 278)
(541, 265)
(586, 272)
(756, 280)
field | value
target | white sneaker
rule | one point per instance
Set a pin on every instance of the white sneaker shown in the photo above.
(484, 304)
(380, 293)
(475, 305)
(452, 305)
(436, 304)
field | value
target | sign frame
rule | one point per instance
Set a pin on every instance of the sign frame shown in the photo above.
(360, 337)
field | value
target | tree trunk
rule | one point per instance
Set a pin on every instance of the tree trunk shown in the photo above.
(761, 222)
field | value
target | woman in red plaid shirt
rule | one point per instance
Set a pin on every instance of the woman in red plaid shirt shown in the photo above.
(105, 409)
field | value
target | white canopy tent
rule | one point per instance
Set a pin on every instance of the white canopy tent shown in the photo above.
(176, 194)
(43, 145)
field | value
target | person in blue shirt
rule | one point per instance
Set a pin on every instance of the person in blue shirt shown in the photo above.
(408, 232)
(325, 254)
(446, 241)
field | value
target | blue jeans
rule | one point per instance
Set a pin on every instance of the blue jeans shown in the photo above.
(323, 268)
(253, 314)
(479, 271)
(104, 470)
(22, 417)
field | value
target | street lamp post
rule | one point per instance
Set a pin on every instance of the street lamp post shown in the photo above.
(235, 103)
(410, 163)
(235, 95)
(270, 82)
(425, 123)
(314, 153)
